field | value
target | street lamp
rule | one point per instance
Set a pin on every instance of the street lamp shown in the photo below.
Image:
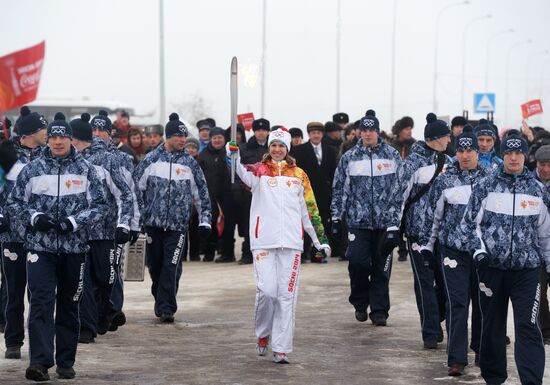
(542, 77)
(510, 50)
(264, 49)
(464, 35)
(437, 23)
(545, 52)
(338, 10)
(161, 63)
(487, 57)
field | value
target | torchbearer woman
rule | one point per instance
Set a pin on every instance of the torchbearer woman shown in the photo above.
(283, 208)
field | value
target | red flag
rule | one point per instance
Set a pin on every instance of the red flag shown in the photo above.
(532, 107)
(20, 76)
(246, 120)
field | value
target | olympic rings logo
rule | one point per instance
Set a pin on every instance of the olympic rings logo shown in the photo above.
(513, 143)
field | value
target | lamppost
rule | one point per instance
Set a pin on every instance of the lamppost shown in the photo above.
(529, 57)
(464, 35)
(264, 49)
(161, 63)
(507, 83)
(437, 24)
(542, 77)
(487, 56)
(392, 91)
(338, 8)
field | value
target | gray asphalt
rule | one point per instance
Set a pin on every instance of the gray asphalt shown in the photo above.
(212, 340)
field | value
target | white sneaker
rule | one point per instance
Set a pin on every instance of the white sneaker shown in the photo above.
(280, 358)
(261, 346)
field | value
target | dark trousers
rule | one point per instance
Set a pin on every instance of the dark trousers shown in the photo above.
(429, 292)
(99, 279)
(192, 240)
(544, 312)
(117, 294)
(522, 288)
(460, 283)
(55, 282)
(164, 254)
(14, 271)
(3, 299)
(235, 217)
(369, 272)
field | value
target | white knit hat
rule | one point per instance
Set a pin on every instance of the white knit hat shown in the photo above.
(280, 135)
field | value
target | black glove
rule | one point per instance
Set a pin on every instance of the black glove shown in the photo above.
(4, 224)
(204, 232)
(64, 226)
(122, 235)
(336, 228)
(481, 260)
(43, 223)
(428, 258)
(388, 242)
(134, 236)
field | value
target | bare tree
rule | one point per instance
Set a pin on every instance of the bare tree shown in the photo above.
(194, 107)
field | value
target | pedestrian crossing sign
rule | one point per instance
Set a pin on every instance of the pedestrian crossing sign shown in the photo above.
(484, 102)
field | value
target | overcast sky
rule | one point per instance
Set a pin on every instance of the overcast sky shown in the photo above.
(109, 49)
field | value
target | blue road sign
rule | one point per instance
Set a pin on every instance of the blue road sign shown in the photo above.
(484, 102)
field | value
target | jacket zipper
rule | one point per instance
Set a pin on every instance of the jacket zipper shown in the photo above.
(371, 190)
(169, 188)
(513, 217)
(57, 215)
(282, 201)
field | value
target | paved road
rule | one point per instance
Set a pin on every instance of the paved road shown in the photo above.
(212, 341)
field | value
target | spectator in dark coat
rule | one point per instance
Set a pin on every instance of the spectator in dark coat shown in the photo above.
(333, 135)
(403, 139)
(192, 241)
(318, 160)
(212, 162)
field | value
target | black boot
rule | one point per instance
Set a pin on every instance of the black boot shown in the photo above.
(65, 373)
(37, 373)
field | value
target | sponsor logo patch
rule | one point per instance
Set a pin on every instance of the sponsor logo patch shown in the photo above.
(262, 255)
(272, 182)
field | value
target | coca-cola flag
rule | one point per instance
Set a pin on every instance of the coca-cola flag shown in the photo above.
(532, 107)
(20, 76)
(246, 120)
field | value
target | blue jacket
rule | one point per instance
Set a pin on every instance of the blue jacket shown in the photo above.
(168, 184)
(60, 188)
(448, 198)
(490, 160)
(507, 217)
(364, 187)
(17, 227)
(417, 170)
(126, 164)
(117, 192)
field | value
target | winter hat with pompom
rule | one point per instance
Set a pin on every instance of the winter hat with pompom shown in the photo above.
(82, 129)
(280, 135)
(467, 140)
(175, 127)
(369, 122)
(60, 127)
(102, 122)
(30, 122)
(513, 142)
(435, 128)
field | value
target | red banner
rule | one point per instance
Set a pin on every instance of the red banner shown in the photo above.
(20, 76)
(246, 120)
(532, 107)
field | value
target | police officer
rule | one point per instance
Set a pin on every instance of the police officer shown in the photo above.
(507, 217)
(418, 172)
(486, 139)
(27, 146)
(101, 126)
(168, 182)
(448, 198)
(60, 196)
(363, 191)
(113, 230)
